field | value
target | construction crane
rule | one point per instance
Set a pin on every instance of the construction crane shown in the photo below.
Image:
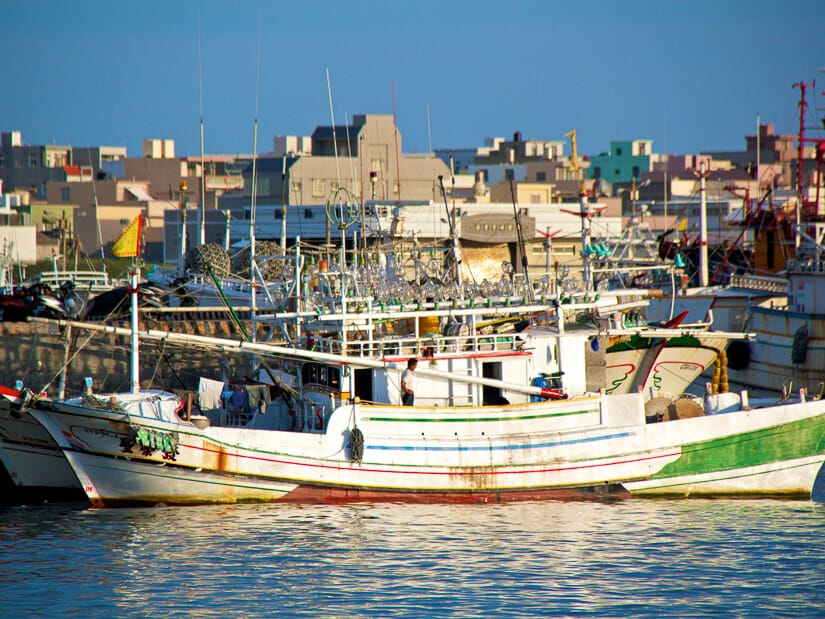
(574, 158)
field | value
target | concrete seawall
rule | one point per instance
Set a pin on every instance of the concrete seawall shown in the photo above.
(34, 353)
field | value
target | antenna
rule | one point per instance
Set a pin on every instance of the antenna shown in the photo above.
(334, 135)
(520, 238)
(254, 188)
(335, 149)
(395, 134)
(429, 131)
(97, 216)
(203, 168)
(349, 153)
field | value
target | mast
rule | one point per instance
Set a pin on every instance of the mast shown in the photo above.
(800, 155)
(395, 134)
(520, 242)
(203, 167)
(283, 207)
(252, 267)
(337, 166)
(703, 227)
(97, 215)
(587, 273)
(183, 208)
(134, 274)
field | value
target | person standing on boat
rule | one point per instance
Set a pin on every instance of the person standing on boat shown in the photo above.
(408, 383)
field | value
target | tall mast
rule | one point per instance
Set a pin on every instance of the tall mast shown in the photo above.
(203, 168)
(252, 267)
(395, 134)
(134, 273)
(703, 227)
(337, 165)
(283, 206)
(800, 154)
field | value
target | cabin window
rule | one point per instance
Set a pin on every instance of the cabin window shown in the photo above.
(322, 375)
(308, 213)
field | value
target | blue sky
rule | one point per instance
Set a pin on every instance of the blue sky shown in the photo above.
(689, 75)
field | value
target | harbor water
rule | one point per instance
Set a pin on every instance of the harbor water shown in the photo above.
(627, 558)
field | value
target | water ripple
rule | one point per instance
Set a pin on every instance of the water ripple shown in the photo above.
(564, 559)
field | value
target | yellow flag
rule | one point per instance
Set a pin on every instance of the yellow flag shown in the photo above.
(128, 244)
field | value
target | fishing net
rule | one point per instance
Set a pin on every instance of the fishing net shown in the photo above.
(270, 269)
(199, 259)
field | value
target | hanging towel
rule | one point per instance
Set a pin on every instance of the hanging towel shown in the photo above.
(209, 393)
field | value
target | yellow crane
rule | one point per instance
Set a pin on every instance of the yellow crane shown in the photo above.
(574, 157)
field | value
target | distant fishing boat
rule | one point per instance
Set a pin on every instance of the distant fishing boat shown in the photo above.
(32, 459)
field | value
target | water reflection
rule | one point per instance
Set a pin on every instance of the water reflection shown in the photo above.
(630, 558)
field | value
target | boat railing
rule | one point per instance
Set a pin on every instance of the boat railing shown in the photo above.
(423, 347)
(806, 266)
(774, 285)
(310, 417)
(81, 279)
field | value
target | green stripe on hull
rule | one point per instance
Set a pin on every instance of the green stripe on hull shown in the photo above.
(789, 441)
(477, 419)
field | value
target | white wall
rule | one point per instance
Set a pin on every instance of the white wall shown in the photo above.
(20, 242)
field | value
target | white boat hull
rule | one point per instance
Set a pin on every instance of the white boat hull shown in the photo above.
(33, 467)
(583, 446)
(153, 483)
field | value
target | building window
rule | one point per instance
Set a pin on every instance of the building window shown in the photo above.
(535, 198)
(307, 213)
(33, 161)
(541, 176)
(635, 171)
(317, 187)
(2, 161)
(597, 172)
(66, 194)
(619, 152)
(124, 222)
(509, 175)
(279, 215)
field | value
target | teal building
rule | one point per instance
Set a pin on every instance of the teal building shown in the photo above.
(624, 161)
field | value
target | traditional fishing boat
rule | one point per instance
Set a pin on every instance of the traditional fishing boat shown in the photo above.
(32, 459)
(140, 448)
(314, 439)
